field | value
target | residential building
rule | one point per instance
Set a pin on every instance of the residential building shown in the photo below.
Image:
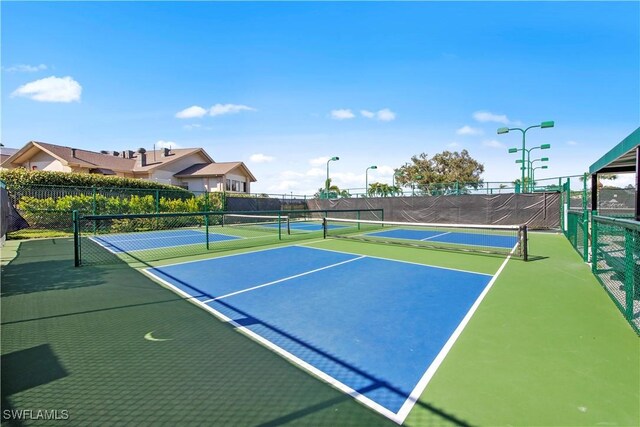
(190, 168)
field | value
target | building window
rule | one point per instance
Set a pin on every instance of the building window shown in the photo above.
(228, 186)
(34, 168)
(244, 187)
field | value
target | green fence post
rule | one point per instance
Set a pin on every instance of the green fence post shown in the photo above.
(594, 243)
(629, 267)
(157, 196)
(76, 239)
(279, 227)
(94, 207)
(585, 234)
(206, 229)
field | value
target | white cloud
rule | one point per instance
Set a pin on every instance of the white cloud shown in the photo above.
(343, 114)
(486, 116)
(316, 172)
(221, 109)
(284, 186)
(318, 161)
(385, 171)
(290, 175)
(385, 115)
(24, 68)
(192, 112)
(572, 143)
(453, 144)
(166, 144)
(261, 158)
(51, 89)
(468, 130)
(493, 144)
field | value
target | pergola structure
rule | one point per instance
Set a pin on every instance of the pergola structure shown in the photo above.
(624, 157)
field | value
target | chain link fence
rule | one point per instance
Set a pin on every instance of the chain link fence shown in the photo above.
(616, 263)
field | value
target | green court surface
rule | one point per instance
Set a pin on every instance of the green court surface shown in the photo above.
(546, 347)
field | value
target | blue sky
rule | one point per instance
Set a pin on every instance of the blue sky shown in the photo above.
(282, 86)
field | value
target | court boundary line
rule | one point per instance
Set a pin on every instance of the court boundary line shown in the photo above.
(371, 234)
(397, 260)
(289, 244)
(97, 240)
(421, 386)
(296, 361)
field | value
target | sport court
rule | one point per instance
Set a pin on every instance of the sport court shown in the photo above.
(371, 326)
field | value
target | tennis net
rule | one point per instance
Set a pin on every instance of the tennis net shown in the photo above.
(264, 223)
(489, 239)
(143, 238)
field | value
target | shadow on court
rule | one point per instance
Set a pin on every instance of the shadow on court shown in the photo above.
(109, 345)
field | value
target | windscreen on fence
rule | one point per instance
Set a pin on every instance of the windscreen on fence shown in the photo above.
(10, 219)
(537, 210)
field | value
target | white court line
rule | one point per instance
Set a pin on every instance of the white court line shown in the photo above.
(283, 280)
(396, 260)
(437, 235)
(430, 372)
(241, 253)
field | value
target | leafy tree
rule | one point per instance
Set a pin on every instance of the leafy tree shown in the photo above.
(383, 190)
(334, 192)
(441, 174)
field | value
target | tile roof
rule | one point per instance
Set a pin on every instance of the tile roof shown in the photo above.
(212, 169)
(91, 159)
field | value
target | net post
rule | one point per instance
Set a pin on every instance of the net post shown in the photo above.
(524, 242)
(206, 228)
(358, 218)
(279, 226)
(288, 224)
(324, 227)
(76, 239)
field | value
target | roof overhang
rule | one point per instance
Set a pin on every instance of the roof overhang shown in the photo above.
(621, 158)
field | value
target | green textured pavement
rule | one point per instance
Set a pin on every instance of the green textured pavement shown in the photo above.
(547, 347)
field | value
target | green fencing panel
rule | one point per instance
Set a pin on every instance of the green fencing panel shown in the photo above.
(616, 263)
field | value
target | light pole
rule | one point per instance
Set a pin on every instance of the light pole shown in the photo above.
(542, 147)
(335, 158)
(366, 179)
(543, 125)
(533, 172)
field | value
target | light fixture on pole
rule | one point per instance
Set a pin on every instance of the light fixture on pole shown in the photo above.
(413, 184)
(366, 179)
(543, 125)
(533, 173)
(335, 158)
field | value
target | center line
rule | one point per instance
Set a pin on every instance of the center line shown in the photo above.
(281, 280)
(437, 235)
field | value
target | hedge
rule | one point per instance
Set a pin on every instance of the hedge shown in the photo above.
(22, 177)
(55, 213)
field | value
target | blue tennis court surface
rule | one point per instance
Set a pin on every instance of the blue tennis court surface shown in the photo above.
(470, 239)
(156, 239)
(372, 325)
